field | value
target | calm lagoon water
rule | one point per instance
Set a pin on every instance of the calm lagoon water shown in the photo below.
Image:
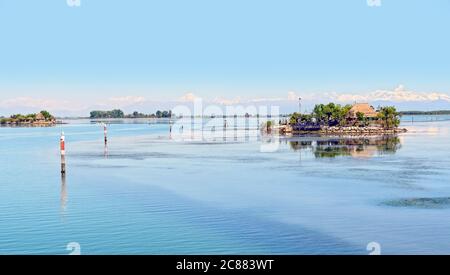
(230, 193)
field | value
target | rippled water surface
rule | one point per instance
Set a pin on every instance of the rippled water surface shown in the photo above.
(230, 192)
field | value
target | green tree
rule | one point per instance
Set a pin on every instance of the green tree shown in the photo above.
(361, 118)
(296, 117)
(97, 114)
(326, 113)
(343, 114)
(329, 110)
(31, 116)
(319, 112)
(46, 115)
(389, 117)
(166, 114)
(116, 113)
(269, 125)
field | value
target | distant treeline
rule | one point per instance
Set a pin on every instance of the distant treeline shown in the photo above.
(440, 112)
(120, 114)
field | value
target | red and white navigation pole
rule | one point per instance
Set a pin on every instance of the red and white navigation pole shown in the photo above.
(105, 132)
(62, 146)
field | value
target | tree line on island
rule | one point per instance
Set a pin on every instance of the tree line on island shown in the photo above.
(117, 113)
(348, 115)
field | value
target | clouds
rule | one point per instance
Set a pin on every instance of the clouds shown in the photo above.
(225, 101)
(73, 3)
(28, 104)
(292, 96)
(374, 3)
(398, 94)
(188, 97)
(127, 100)
(36, 103)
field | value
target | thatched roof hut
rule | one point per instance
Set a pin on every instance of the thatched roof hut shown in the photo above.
(368, 110)
(40, 117)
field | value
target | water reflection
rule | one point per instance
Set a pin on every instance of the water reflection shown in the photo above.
(105, 151)
(63, 194)
(361, 147)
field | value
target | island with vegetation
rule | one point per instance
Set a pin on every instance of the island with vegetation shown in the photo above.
(41, 119)
(117, 113)
(334, 119)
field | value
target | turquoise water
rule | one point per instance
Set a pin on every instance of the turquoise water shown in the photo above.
(228, 193)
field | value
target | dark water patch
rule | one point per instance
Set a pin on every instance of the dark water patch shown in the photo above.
(425, 203)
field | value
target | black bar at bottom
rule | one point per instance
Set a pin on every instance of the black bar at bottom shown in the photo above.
(223, 264)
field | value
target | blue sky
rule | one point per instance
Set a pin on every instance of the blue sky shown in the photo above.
(145, 52)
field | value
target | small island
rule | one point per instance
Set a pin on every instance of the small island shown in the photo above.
(41, 119)
(334, 119)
